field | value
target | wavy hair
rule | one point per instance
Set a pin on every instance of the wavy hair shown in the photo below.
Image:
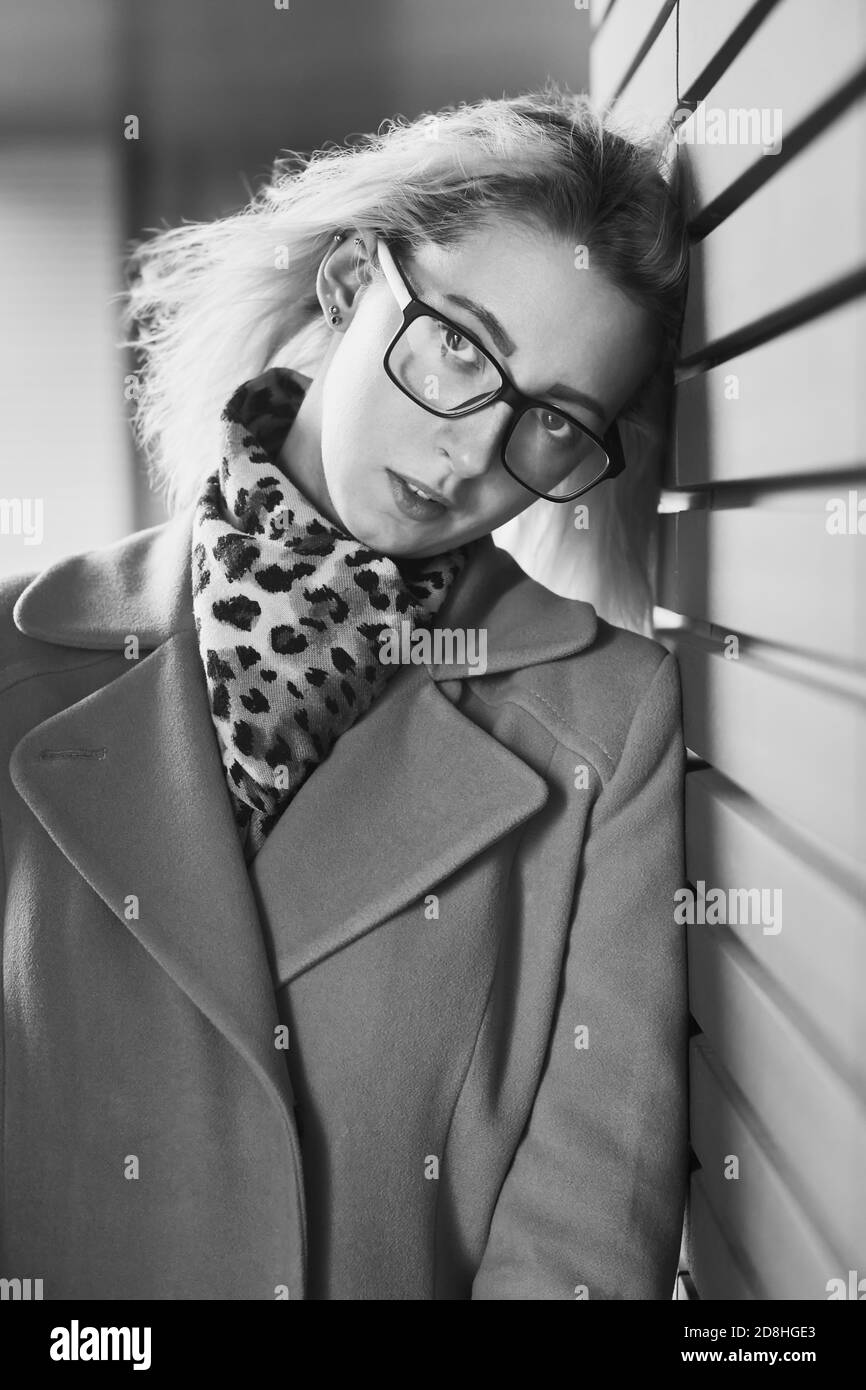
(211, 304)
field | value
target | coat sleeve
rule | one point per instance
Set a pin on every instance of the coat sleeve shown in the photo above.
(592, 1204)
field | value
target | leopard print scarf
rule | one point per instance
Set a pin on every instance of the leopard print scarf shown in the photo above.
(288, 610)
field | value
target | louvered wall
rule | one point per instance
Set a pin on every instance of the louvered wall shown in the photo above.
(770, 432)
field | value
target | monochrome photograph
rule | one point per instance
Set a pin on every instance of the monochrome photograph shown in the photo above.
(432, 663)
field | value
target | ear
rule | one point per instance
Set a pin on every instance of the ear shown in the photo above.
(343, 274)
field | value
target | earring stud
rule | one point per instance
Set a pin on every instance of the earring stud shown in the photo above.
(335, 315)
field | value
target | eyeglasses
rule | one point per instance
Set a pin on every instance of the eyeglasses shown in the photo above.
(443, 368)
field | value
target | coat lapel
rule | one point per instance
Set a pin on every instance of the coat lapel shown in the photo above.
(407, 796)
(129, 782)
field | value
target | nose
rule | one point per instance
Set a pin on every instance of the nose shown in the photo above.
(473, 442)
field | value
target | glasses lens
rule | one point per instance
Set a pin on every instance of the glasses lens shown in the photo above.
(553, 455)
(438, 366)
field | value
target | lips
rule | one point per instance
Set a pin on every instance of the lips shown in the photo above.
(411, 502)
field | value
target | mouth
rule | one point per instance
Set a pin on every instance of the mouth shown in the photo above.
(415, 500)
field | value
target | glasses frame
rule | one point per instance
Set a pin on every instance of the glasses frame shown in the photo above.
(413, 307)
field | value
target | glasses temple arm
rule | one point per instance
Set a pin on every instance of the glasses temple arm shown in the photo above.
(390, 270)
(613, 444)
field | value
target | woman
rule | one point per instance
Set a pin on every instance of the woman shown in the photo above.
(340, 854)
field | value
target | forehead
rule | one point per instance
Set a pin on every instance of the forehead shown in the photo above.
(567, 321)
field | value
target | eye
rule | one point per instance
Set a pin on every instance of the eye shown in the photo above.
(457, 347)
(554, 425)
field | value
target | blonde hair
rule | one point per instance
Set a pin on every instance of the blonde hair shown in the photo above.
(211, 304)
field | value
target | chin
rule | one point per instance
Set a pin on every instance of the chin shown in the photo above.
(385, 534)
(371, 532)
(392, 542)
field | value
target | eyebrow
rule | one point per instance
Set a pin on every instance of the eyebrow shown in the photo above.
(568, 393)
(507, 347)
(490, 321)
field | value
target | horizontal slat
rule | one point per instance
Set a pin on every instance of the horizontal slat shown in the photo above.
(811, 1116)
(709, 36)
(598, 10)
(799, 407)
(793, 63)
(818, 956)
(650, 95)
(714, 1269)
(774, 574)
(621, 38)
(766, 1228)
(798, 234)
(794, 746)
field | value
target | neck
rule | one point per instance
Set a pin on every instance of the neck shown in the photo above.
(301, 454)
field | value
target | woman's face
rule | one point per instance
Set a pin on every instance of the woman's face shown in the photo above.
(566, 327)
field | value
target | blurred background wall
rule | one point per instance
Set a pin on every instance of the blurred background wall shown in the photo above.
(219, 87)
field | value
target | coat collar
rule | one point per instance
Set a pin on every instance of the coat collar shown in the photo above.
(129, 782)
(142, 585)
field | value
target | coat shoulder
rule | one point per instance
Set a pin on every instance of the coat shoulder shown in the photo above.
(589, 699)
(15, 646)
(23, 655)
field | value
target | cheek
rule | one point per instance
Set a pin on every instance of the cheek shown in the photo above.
(510, 500)
(362, 415)
(368, 426)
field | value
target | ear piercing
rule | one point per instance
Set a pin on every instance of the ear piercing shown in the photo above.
(334, 315)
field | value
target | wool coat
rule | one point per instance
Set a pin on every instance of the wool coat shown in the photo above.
(431, 1045)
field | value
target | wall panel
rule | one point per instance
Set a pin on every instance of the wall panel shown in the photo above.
(761, 593)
